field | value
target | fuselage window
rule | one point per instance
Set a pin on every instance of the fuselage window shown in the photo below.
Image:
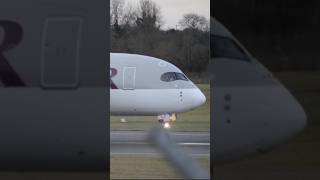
(173, 76)
(224, 47)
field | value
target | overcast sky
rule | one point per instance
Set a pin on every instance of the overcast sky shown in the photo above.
(173, 10)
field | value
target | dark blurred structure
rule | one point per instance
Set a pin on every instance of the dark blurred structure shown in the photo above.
(282, 34)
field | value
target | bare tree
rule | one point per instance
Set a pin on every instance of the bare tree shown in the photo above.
(149, 16)
(116, 12)
(130, 15)
(139, 32)
(194, 21)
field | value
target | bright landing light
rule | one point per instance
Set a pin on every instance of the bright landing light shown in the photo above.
(166, 125)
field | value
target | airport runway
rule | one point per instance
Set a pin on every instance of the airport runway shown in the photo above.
(137, 143)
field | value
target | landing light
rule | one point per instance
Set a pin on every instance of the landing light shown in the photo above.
(166, 125)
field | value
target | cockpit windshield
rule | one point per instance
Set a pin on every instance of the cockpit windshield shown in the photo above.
(173, 76)
(224, 47)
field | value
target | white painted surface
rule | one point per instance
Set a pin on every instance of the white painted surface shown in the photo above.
(154, 101)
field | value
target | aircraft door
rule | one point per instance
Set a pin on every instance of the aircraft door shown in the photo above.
(129, 78)
(60, 53)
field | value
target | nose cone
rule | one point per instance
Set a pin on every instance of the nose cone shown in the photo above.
(297, 119)
(288, 118)
(202, 98)
(191, 99)
(199, 98)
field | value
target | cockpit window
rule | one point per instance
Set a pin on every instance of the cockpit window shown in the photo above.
(173, 76)
(181, 76)
(223, 47)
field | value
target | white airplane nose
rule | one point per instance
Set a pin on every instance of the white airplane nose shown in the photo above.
(297, 119)
(199, 98)
(191, 99)
(202, 98)
(291, 117)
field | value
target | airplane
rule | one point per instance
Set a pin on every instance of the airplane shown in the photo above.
(144, 85)
(252, 111)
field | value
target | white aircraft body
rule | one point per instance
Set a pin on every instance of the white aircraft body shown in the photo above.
(143, 85)
(252, 111)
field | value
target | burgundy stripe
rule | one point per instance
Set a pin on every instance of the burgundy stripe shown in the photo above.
(113, 72)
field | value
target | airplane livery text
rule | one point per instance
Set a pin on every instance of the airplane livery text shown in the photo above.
(13, 35)
(113, 72)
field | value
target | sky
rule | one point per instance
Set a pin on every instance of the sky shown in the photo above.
(172, 11)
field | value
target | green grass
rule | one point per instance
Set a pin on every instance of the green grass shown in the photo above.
(196, 120)
(128, 167)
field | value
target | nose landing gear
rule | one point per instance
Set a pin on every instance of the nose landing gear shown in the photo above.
(165, 119)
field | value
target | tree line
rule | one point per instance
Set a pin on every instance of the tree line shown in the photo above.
(139, 29)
